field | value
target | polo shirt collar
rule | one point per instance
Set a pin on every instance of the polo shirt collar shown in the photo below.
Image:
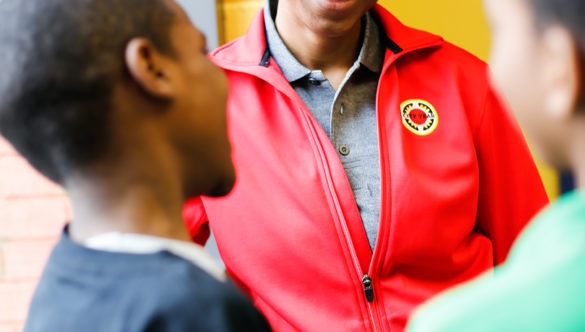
(370, 54)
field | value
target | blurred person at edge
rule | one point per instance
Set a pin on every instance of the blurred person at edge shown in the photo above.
(538, 64)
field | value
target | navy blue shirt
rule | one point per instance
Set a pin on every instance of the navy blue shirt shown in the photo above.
(89, 290)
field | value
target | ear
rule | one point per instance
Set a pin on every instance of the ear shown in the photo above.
(562, 71)
(149, 68)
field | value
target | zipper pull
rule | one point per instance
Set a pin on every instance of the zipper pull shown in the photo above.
(367, 281)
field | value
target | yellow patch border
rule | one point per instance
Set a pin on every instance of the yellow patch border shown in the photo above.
(424, 105)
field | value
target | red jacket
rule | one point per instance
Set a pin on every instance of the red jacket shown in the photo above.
(453, 198)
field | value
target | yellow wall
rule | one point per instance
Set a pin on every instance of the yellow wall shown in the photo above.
(235, 16)
(459, 21)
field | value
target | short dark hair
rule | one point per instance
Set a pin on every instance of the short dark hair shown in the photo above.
(59, 60)
(568, 13)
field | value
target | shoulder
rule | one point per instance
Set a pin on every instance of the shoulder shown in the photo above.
(556, 236)
(137, 292)
(186, 298)
(464, 62)
(539, 288)
(448, 61)
(414, 41)
(423, 48)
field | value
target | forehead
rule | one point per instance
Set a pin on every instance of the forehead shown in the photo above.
(507, 11)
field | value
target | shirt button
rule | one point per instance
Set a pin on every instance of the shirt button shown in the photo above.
(314, 81)
(344, 150)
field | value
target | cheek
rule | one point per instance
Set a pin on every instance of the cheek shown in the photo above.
(502, 64)
(212, 85)
(214, 91)
(513, 74)
(218, 88)
(221, 83)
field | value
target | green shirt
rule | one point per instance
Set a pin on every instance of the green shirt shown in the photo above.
(541, 287)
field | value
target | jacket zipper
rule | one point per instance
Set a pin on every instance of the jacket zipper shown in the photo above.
(364, 278)
(368, 289)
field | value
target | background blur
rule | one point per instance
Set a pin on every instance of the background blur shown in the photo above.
(33, 210)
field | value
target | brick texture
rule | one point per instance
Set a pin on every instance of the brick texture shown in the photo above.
(6, 148)
(35, 217)
(15, 301)
(24, 259)
(8, 327)
(20, 181)
(32, 213)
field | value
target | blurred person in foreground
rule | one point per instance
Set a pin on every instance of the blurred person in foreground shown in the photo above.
(538, 62)
(117, 101)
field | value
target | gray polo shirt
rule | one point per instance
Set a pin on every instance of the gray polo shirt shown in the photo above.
(347, 115)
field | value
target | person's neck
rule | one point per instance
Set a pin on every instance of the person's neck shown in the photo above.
(138, 200)
(331, 52)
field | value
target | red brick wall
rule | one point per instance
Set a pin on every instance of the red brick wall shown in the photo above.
(32, 213)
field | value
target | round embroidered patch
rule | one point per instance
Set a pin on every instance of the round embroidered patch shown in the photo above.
(419, 116)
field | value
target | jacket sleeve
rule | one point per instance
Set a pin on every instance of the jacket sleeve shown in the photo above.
(511, 191)
(195, 219)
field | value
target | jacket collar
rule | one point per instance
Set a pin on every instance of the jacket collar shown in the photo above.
(252, 50)
(370, 55)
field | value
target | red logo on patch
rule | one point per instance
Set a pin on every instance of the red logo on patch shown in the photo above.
(419, 116)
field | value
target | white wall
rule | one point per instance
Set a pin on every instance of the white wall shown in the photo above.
(204, 15)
